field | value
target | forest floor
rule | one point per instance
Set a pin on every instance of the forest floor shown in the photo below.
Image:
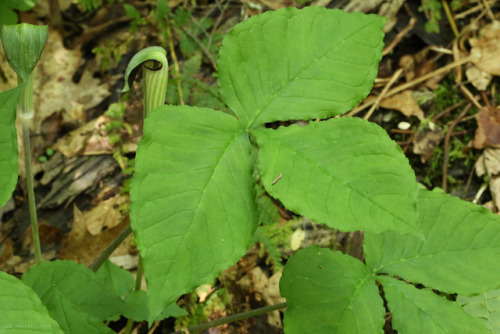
(432, 99)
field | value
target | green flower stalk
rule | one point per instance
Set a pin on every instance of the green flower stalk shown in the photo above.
(23, 45)
(154, 65)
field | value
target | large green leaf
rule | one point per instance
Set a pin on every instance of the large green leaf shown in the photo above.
(120, 280)
(192, 199)
(8, 142)
(417, 311)
(460, 254)
(344, 172)
(329, 292)
(485, 307)
(74, 295)
(138, 310)
(299, 64)
(21, 309)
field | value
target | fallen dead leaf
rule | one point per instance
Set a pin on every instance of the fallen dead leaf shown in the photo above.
(385, 8)
(126, 261)
(106, 215)
(486, 49)
(488, 128)
(426, 140)
(92, 139)
(489, 164)
(479, 79)
(265, 288)
(405, 103)
(82, 247)
(418, 65)
(89, 137)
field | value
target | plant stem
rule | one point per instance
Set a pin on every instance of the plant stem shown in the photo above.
(26, 114)
(138, 282)
(232, 318)
(449, 16)
(176, 63)
(111, 248)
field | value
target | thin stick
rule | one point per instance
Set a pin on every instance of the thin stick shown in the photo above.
(471, 97)
(202, 47)
(383, 93)
(472, 10)
(400, 36)
(176, 62)
(447, 143)
(415, 82)
(232, 318)
(111, 248)
(449, 16)
(488, 10)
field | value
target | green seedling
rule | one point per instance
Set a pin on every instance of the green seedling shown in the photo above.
(193, 199)
(8, 10)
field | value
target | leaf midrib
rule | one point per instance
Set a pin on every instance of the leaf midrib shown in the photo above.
(305, 69)
(230, 143)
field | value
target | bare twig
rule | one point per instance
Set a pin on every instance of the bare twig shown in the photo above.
(488, 10)
(202, 47)
(383, 93)
(415, 82)
(232, 318)
(470, 97)
(453, 25)
(474, 9)
(447, 144)
(111, 248)
(399, 36)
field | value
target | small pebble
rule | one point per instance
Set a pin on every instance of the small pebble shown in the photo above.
(404, 125)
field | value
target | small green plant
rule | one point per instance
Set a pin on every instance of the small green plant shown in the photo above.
(194, 206)
(8, 10)
(116, 130)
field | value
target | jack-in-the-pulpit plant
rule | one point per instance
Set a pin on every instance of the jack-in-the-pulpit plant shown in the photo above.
(194, 212)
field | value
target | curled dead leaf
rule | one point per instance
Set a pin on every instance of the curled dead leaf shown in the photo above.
(405, 103)
(486, 48)
(426, 140)
(479, 79)
(488, 128)
(489, 164)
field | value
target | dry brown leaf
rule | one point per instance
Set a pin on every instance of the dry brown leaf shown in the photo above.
(489, 164)
(265, 288)
(426, 140)
(385, 8)
(488, 128)
(127, 261)
(486, 48)
(106, 214)
(82, 247)
(405, 103)
(88, 139)
(479, 79)
(92, 139)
